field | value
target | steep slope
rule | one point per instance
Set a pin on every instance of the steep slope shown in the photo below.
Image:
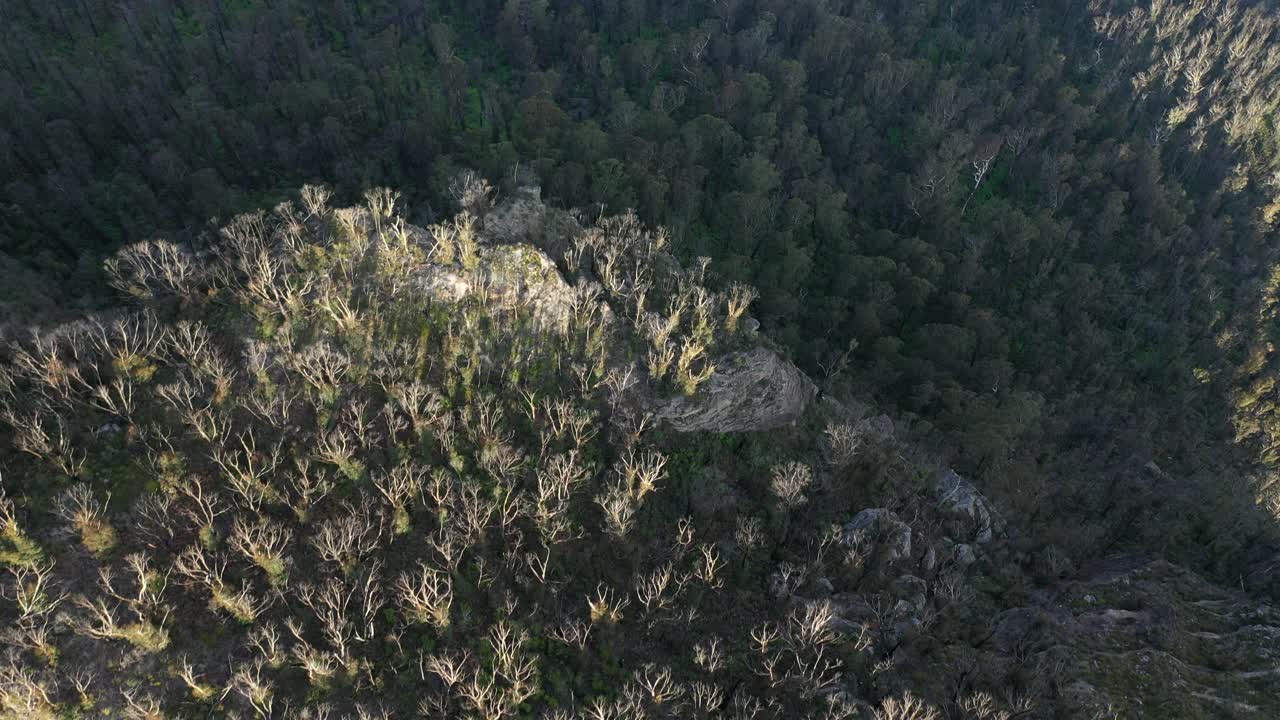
(337, 463)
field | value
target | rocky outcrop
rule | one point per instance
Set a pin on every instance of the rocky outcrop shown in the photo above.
(1150, 639)
(751, 390)
(969, 516)
(510, 276)
(881, 531)
(517, 218)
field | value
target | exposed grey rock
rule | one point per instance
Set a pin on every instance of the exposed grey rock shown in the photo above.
(821, 586)
(110, 428)
(1011, 627)
(912, 590)
(1263, 569)
(1150, 639)
(517, 218)
(929, 563)
(881, 426)
(964, 555)
(510, 276)
(878, 524)
(751, 390)
(969, 515)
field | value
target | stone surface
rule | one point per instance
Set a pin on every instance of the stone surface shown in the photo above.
(1150, 639)
(882, 530)
(751, 390)
(511, 276)
(881, 426)
(517, 218)
(969, 515)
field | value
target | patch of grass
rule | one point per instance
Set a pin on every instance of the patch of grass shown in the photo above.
(146, 636)
(97, 536)
(17, 549)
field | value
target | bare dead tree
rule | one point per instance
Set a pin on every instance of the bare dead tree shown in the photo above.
(322, 366)
(708, 566)
(706, 698)
(266, 640)
(641, 472)
(87, 515)
(904, 707)
(248, 470)
(141, 705)
(474, 510)
(399, 487)
(651, 589)
(264, 544)
(574, 633)
(23, 692)
(188, 400)
(347, 612)
(843, 441)
(203, 506)
(350, 536)
(153, 267)
(198, 565)
(34, 436)
(554, 486)
(255, 687)
(199, 689)
(708, 654)
(381, 204)
(424, 406)
(426, 595)
(45, 363)
(471, 192)
(605, 606)
(32, 592)
(788, 481)
(657, 684)
(129, 343)
(315, 200)
(619, 507)
(738, 299)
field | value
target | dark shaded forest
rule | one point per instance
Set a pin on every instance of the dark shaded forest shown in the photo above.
(1040, 233)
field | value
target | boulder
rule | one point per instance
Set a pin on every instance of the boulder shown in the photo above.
(970, 518)
(881, 427)
(883, 530)
(751, 390)
(929, 563)
(912, 590)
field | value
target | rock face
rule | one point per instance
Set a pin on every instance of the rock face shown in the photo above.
(515, 219)
(881, 529)
(970, 518)
(1150, 639)
(750, 390)
(511, 276)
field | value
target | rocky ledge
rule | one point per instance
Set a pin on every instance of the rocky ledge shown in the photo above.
(752, 389)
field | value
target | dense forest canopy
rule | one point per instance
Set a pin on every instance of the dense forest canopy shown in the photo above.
(1041, 232)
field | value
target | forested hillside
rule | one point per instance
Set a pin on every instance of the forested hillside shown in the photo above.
(1039, 233)
(329, 464)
